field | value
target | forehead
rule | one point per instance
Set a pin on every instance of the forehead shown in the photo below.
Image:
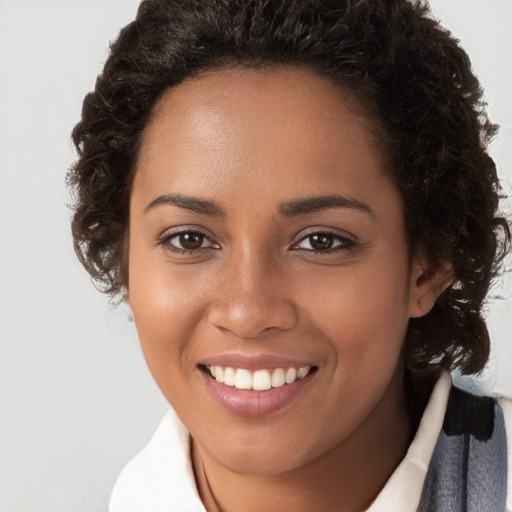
(285, 127)
(285, 95)
(287, 83)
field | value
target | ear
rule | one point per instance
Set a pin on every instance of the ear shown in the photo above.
(427, 283)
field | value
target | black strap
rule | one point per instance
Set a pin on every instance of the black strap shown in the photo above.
(468, 469)
(469, 414)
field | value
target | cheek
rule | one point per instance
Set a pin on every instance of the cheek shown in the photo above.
(165, 310)
(364, 315)
(363, 319)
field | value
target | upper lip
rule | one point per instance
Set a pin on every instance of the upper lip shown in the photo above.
(254, 362)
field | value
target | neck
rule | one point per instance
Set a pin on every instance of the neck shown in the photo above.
(348, 477)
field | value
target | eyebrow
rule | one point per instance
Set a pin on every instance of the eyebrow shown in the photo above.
(201, 206)
(286, 209)
(318, 203)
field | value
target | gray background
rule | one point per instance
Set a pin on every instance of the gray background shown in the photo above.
(76, 400)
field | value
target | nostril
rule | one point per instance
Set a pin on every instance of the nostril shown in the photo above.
(249, 319)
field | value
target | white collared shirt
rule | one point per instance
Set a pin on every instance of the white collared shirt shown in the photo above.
(161, 478)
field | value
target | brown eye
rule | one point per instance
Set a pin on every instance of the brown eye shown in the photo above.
(188, 242)
(321, 242)
(191, 241)
(324, 242)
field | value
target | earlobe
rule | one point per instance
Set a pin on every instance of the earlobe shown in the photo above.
(427, 284)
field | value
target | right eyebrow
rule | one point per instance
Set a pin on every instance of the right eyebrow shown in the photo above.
(195, 204)
(317, 203)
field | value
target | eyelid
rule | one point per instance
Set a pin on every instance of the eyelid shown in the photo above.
(346, 240)
(185, 228)
(165, 238)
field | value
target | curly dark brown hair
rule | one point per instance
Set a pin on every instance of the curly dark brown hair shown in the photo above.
(389, 52)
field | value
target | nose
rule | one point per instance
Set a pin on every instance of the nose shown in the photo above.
(252, 300)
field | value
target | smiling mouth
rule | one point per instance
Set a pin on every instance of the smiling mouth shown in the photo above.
(259, 380)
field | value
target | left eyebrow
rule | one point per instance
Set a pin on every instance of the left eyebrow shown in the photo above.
(201, 206)
(318, 203)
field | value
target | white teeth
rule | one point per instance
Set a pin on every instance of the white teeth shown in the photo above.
(291, 375)
(278, 378)
(219, 374)
(243, 379)
(229, 377)
(303, 372)
(260, 380)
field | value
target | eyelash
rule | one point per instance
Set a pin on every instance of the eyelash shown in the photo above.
(345, 243)
(165, 241)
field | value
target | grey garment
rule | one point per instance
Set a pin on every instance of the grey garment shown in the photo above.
(468, 469)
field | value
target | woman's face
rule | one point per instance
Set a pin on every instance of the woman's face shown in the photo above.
(267, 240)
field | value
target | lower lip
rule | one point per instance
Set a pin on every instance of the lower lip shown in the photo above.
(254, 403)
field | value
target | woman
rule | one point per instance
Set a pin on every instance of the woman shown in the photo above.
(295, 199)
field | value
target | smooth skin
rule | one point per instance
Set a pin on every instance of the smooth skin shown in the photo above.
(228, 255)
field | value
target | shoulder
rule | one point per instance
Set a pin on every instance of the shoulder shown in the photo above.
(159, 478)
(505, 405)
(469, 466)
